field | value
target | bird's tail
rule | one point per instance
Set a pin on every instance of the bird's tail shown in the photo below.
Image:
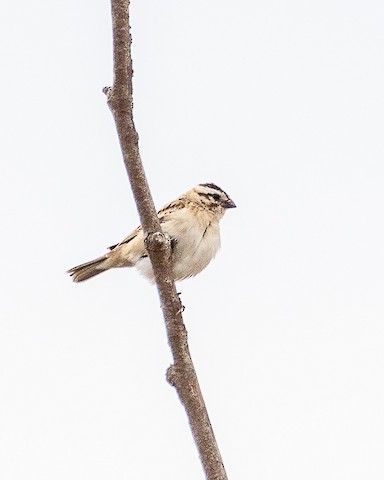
(90, 269)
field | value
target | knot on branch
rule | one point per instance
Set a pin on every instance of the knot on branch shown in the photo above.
(157, 241)
(119, 100)
(171, 375)
(182, 375)
(107, 91)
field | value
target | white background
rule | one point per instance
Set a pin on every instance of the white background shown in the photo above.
(281, 104)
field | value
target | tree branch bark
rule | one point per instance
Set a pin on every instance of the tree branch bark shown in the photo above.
(181, 374)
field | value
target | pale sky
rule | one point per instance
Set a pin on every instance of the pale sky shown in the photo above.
(279, 103)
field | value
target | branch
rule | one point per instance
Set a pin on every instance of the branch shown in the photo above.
(181, 374)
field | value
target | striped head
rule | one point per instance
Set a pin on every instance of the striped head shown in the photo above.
(213, 197)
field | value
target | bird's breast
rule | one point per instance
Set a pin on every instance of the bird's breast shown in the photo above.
(196, 241)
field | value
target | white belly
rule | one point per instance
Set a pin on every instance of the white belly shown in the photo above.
(197, 244)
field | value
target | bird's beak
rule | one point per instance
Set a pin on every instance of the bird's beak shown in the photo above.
(228, 203)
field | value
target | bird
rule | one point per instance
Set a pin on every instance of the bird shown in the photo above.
(192, 224)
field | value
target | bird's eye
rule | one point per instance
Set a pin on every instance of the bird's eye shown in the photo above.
(216, 197)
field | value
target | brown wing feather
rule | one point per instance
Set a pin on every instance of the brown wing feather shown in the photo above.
(162, 214)
(130, 237)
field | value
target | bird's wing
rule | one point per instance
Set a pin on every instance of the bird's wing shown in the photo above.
(163, 217)
(130, 237)
(170, 208)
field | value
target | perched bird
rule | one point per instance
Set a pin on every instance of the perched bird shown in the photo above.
(192, 223)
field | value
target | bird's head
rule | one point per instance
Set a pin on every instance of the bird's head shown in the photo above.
(213, 198)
